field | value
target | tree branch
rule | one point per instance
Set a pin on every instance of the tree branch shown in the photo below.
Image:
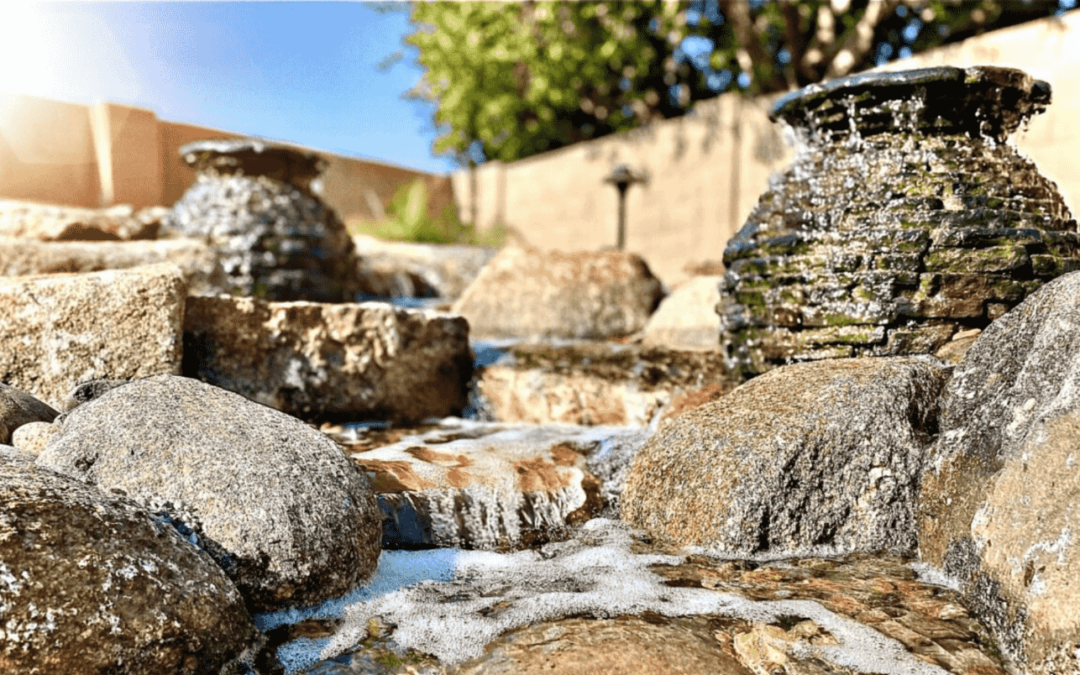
(859, 39)
(750, 52)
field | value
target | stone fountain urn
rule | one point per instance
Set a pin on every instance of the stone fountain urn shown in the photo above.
(905, 218)
(276, 239)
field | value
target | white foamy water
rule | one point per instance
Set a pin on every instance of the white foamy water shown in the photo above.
(451, 603)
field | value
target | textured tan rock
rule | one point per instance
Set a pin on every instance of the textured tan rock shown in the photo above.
(32, 437)
(809, 456)
(62, 329)
(47, 222)
(17, 408)
(953, 351)
(527, 293)
(597, 383)
(92, 584)
(197, 261)
(281, 508)
(607, 600)
(325, 361)
(1000, 508)
(687, 318)
(1025, 530)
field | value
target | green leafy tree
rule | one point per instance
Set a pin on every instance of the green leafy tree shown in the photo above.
(510, 80)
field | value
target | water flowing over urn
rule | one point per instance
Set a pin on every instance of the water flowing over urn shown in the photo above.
(276, 239)
(905, 218)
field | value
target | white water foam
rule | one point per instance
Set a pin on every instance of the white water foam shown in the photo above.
(450, 604)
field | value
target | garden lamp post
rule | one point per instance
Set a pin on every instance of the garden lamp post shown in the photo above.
(622, 177)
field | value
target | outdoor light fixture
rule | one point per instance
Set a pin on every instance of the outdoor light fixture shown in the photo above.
(622, 177)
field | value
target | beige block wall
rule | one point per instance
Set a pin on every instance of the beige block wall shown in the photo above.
(47, 152)
(360, 189)
(128, 148)
(704, 172)
(708, 170)
(90, 156)
(177, 177)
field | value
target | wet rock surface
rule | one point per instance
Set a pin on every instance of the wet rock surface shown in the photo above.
(276, 239)
(532, 293)
(814, 456)
(492, 486)
(596, 383)
(276, 503)
(904, 218)
(89, 581)
(607, 598)
(999, 507)
(62, 329)
(321, 361)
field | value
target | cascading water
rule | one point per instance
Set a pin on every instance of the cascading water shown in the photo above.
(254, 202)
(905, 218)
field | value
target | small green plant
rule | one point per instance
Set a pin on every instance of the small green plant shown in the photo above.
(409, 219)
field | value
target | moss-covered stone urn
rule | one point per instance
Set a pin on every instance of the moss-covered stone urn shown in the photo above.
(253, 200)
(905, 217)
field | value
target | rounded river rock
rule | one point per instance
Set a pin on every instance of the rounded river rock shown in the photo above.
(823, 456)
(277, 503)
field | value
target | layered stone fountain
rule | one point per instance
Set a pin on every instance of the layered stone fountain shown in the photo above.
(277, 240)
(905, 218)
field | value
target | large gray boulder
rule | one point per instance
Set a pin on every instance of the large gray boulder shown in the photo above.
(323, 361)
(62, 329)
(531, 293)
(18, 408)
(1000, 509)
(283, 511)
(91, 583)
(816, 456)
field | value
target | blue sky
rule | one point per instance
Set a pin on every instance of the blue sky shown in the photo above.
(301, 72)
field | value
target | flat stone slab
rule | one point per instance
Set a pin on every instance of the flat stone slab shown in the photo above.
(62, 329)
(321, 361)
(597, 383)
(197, 261)
(51, 222)
(493, 486)
(608, 599)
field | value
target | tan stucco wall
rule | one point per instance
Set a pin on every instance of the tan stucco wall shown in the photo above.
(707, 170)
(108, 153)
(47, 152)
(128, 149)
(177, 177)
